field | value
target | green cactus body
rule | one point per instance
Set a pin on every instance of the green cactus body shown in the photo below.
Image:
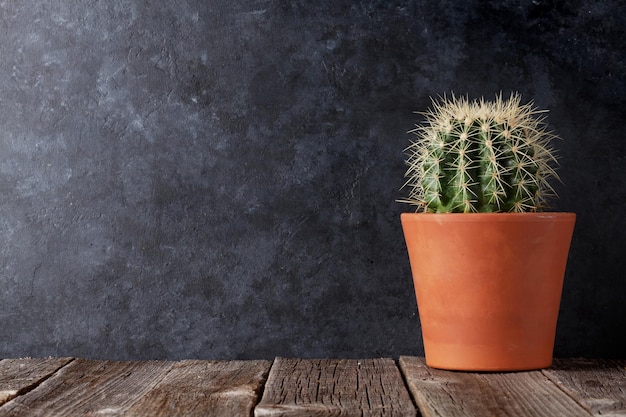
(480, 157)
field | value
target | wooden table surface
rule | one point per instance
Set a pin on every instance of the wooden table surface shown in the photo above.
(305, 387)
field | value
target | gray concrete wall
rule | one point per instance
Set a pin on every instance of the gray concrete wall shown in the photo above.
(217, 179)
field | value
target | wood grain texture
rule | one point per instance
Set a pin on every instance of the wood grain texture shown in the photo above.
(151, 389)
(598, 385)
(21, 375)
(301, 387)
(89, 388)
(202, 388)
(464, 394)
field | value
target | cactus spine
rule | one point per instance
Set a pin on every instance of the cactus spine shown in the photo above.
(480, 156)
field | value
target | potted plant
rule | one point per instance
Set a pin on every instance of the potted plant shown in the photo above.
(487, 260)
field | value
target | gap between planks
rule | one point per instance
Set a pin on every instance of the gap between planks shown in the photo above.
(599, 386)
(19, 376)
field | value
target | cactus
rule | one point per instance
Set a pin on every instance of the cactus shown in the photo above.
(481, 156)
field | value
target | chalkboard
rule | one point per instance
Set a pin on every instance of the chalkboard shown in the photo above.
(218, 179)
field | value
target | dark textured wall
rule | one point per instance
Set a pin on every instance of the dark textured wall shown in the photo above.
(217, 179)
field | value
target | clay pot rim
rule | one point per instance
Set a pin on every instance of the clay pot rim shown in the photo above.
(491, 217)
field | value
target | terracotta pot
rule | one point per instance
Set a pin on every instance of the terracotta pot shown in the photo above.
(488, 286)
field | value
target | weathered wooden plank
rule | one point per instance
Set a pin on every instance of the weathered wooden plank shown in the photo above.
(88, 387)
(306, 387)
(203, 388)
(21, 375)
(598, 385)
(452, 394)
(186, 388)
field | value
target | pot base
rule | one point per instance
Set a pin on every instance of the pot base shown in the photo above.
(482, 359)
